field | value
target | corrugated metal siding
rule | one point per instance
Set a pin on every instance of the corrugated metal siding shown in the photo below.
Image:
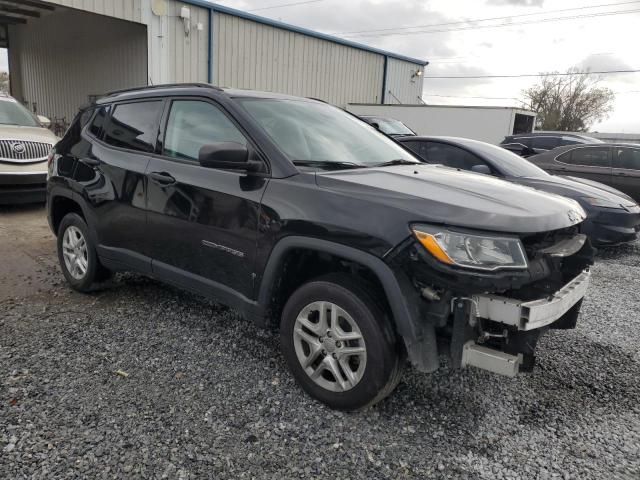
(401, 88)
(60, 67)
(251, 55)
(123, 9)
(187, 54)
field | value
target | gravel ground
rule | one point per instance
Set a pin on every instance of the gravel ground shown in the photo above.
(142, 381)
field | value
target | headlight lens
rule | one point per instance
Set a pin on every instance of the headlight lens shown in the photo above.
(471, 251)
(601, 202)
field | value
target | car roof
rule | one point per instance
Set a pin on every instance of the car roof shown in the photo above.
(552, 134)
(190, 88)
(441, 138)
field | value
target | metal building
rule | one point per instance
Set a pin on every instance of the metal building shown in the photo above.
(64, 53)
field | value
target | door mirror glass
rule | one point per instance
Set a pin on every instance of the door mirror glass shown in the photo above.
(226, 155)
(44, 121)
(484, 169)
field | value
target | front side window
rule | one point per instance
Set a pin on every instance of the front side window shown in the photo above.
(193, 124)
(627, 158)
(449, 155)
(316, 133)
(588, 157)
(134, 126)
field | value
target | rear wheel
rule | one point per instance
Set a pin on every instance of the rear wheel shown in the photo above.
(77, 255)
(339, 345)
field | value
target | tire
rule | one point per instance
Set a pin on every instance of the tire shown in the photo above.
(81, 269)
(313, 351)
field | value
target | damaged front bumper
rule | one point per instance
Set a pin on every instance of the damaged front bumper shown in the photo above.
(535, 313)
(522, 316)
(492, 320)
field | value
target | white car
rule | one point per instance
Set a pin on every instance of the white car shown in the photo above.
(24, 147)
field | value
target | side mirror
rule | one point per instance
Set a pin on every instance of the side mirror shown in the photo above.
(44, 121)
(227, 156)
(484, 169)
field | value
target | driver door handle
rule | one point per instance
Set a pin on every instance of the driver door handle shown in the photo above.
(162, 178)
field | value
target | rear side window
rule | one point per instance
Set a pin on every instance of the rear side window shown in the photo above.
(134, 126)
(545, 143)
(193, 124)
(97, 123)
(588, 157)
(628, 158)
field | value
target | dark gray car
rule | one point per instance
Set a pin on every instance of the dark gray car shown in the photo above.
(614, 164)
(613, 217)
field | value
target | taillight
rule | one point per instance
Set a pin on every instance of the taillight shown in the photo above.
(50, 158)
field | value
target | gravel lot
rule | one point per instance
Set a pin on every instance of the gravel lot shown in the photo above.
(201, 393)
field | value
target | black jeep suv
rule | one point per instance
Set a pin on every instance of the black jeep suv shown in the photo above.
(301, 216)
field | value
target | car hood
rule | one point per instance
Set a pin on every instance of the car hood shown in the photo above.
(577, 188)
(437, 194)
(31, 134)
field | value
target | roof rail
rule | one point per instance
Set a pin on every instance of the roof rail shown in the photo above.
(163, 85)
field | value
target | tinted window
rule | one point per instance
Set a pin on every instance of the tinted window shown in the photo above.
(590, 157)
(448, 155)
(419, 148)
(98, 122)
(134, 126)
(545, 143)
(193, 124)
(628, 158)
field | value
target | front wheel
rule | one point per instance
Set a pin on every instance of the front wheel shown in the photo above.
(339, 345)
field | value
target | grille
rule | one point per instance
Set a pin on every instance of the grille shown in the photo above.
(23, 151)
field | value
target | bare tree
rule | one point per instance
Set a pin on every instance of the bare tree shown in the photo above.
(570, 103)
(4, 82)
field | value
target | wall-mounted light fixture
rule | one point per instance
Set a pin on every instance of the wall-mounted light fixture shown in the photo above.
(185, 15)
(416, 74)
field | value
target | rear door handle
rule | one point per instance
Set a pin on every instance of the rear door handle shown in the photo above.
(162, 178)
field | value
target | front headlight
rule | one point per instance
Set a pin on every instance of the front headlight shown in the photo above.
(471, 251)
(601, 202)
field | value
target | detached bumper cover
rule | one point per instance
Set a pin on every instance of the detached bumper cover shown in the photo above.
(613, 226)
(536, 313)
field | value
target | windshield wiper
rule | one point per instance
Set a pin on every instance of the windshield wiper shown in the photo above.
(326, 164)
(398, 161)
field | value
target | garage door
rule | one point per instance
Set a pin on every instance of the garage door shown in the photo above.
(65, 58)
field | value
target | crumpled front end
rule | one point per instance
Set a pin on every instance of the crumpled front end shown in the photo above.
(493, 319)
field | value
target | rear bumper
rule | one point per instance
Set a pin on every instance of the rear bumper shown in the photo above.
(27, 187)
(612, 227)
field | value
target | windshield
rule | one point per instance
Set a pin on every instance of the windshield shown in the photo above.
(508, 163)
(312, 132)
(12, 113)
(391, 126)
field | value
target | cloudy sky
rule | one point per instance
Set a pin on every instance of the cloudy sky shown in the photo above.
(595, 40)
(590, 37)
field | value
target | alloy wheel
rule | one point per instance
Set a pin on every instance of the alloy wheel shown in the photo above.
(330, 346)
(75, 252)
